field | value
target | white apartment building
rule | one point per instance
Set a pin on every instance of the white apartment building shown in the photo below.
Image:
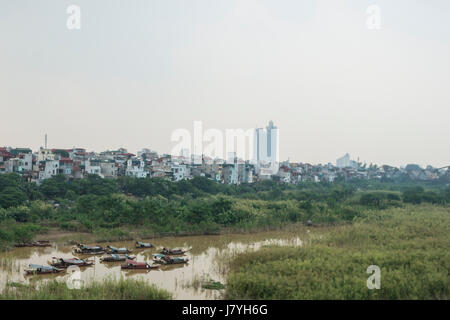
(135, 168)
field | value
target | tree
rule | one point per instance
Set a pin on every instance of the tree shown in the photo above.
(54, 187)
(11, 197)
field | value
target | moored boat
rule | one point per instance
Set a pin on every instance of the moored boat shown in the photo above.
(38, 269)
(111, 249)
(85, 249)
(40, 243)
(131, 264)
(65, 263)
(116, 257)
(143, 245)
(163, 259)
(23, 244)
(173, 252)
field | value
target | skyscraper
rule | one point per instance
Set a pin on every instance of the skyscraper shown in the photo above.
(265, 149)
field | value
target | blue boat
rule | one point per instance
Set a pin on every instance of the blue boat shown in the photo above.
(39, 269)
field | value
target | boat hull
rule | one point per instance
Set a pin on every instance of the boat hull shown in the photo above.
(139, 267)
(31, 272)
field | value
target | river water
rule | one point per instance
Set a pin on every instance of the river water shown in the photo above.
(207, 255)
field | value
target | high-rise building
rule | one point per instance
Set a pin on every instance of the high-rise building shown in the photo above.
(266, 143)
(346, 162)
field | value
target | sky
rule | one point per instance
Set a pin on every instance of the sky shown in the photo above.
(138, 70)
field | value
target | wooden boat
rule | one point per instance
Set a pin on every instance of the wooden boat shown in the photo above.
(131, 264)
(38, 269)
(173, 252)
(116, 257)
(143, 245)
(20, 245)
(111, 249)
(85, 249)
(163, 259)
(41, 243)
(65, 263)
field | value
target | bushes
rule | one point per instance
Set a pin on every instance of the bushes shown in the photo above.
(12, 232)
(34, 211)
(75, 226)
(188, 206)
(379, 199)
(417, 195)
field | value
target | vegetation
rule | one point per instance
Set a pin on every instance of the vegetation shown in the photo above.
(409, 244)
(119, 209)
(213, 285)
(204, 282)
(401, 226)
(123, 289)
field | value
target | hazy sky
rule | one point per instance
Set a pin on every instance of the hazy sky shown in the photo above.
(138, 70)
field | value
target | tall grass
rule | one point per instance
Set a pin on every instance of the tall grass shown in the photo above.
(410, 245)
(9, 264)
(123, 289)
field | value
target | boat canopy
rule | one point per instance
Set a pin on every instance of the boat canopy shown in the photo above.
(86, 247)
(145, 244)
(178, 259)
(73, 261)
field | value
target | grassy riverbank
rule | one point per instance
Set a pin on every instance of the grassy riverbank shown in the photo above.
(124, 289)
(409, 244)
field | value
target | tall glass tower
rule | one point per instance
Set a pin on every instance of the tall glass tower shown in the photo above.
(265, 147)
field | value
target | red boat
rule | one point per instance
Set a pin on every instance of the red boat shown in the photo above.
(131, 264)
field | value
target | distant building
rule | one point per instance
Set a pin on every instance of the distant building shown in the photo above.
(179, 172)
(108, 168)
(346, 162)
(48, 169)
(136, 168)
(230, 174)
(66, 166)
(265, 147)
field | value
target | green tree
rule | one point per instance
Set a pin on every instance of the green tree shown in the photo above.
(11, 197)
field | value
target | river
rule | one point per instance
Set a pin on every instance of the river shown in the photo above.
(206, 254)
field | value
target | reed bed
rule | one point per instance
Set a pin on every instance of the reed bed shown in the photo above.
(109, 289)
(8, 264)
(410, 245)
